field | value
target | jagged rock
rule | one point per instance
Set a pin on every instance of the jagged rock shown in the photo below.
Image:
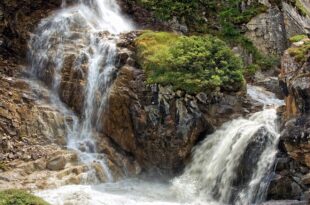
(267, 31)
(295, 23)
(292, 181)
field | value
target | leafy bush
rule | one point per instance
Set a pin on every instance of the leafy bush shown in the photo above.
(19, 197)
(192, 64)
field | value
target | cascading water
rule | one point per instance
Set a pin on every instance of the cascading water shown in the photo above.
(87, 30)
(232, 164)
(229, 166)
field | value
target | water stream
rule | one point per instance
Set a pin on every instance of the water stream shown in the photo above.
(231, 166)
(88, 30)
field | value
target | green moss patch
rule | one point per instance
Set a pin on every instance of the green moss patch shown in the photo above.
(297, 38)
(300, 53)
(192, 64)
(19, 197)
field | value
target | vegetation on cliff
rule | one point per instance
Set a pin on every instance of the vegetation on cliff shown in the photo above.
(223, 18)
(19, 197)
(192, 64)
(300, 7)
(300, 52)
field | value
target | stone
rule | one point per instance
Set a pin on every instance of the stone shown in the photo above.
(306, 179)
(267, 32)
(56, 163)
(202, 97)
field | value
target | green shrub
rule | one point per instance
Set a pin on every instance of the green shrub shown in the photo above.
(297, 38)
(192, 64)
(19, 197)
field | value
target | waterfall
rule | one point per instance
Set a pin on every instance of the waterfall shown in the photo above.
(232, 165)
(88, 30)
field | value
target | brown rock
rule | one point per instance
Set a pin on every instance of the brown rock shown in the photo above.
(56, 163)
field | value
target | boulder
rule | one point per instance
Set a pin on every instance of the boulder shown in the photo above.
(56, 163)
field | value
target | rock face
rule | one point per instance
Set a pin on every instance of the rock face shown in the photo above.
(24, 122)
(269, 31)
(17, 19)
(294, 162)
(155, 124)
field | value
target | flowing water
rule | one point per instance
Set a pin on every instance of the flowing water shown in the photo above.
(231, 166)
(88, 30)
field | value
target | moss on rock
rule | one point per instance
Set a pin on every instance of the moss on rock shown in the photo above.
(300, 52)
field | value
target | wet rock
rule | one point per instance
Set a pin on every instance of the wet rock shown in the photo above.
(258, 143)
(100, 173)
(284, 188)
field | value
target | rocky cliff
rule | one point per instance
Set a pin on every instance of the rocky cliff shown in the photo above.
(271, 30)
(292, 180)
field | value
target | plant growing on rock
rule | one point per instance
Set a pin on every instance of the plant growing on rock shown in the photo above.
(301, 52)
(223, 18)
(192, 64)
